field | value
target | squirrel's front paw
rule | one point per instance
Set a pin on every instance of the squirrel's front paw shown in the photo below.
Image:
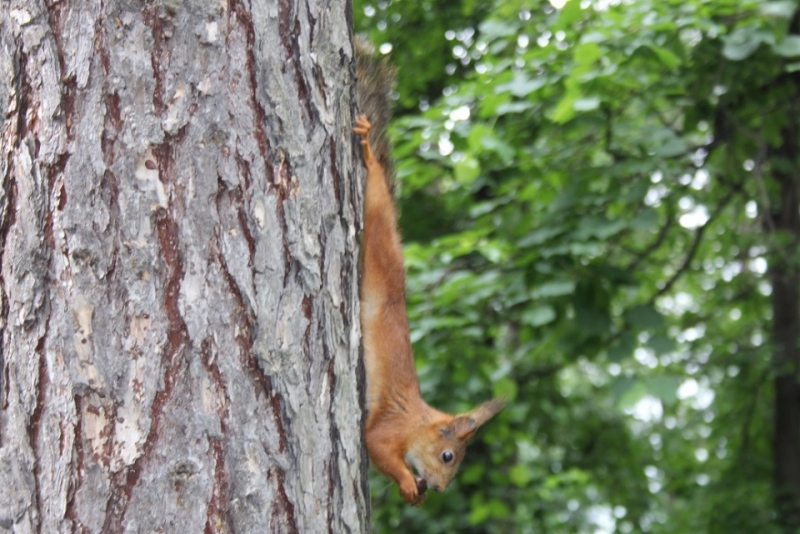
(408, 490)
(362, 126)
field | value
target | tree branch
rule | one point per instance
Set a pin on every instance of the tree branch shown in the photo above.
(657, 242)
(698, 238)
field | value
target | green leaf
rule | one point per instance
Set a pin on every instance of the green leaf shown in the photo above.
(645, 220)
(668, 145)
(513, 107)
(505, 387)
(497, 28)
(564, 110)
(554, 289)
(570, 14)
(471, 473)
(586, 104)
(644, 317)
(491, 250)
(784, 9)
(587, 53)
(586, 249)
(668, 58)
(537, 237)
(599, 227)
(521, 85)
(467, 170)
(789, 47)
(592, 321)
(479, 513)
(665, 387)
(496, 145)
(662, 344)
(498, 508)
(520, 475)
(538, 316)
(623, 348)
(744, 41)
(627, 391)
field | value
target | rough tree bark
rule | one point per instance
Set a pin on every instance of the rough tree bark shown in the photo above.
(178, 268)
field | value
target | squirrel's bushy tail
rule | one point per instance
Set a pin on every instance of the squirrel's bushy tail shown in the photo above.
(375, 80)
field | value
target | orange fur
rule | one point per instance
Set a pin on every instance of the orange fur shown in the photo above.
(402, 432)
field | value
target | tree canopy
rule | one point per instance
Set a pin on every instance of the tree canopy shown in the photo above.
(596, 199)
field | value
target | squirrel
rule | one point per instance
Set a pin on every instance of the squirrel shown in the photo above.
(402, 431)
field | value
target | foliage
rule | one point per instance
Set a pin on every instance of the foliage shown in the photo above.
(584, 196)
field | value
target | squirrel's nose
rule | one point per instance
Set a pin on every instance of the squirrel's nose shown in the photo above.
(438, 488)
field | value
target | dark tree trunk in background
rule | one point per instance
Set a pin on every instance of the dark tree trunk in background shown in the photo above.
(178, 268)
(784, 275)
(785, 280)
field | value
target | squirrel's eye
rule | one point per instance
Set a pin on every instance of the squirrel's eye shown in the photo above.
(447, 457)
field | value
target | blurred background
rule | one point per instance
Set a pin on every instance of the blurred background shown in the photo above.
(599, 202)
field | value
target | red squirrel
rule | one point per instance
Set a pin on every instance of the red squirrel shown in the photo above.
(402, 431)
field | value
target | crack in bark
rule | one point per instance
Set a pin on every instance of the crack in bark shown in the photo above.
(217, 509)
(307, 307)
(23, 91)
(69, 82)
(243, 15)
(334, 480)
(36, 421)
(76, 475)
(284, 178)
(112, 126)
(153, 21)
(62, 197)
(244, 170)
(107, 434)
(282, 506)
(336, 177)
(53, 171)
(289, 34)
(9, 217)
(109, 184)
(248, 235)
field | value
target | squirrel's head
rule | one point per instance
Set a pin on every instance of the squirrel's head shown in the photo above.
(437, 453)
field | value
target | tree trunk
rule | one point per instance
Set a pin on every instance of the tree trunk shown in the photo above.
(180, 337)
(784, 275)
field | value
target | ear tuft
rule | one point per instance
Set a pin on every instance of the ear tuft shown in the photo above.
(487, 410)
(463, 426)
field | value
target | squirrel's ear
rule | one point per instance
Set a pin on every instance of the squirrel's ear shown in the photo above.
(463, 426)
